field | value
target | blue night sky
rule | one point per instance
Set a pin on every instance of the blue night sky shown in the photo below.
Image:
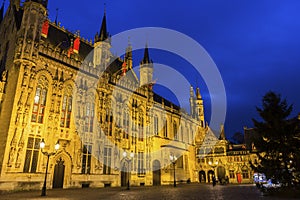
(254, 43)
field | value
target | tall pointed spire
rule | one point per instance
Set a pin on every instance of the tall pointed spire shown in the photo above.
(128, 55)
(146, 59)
(198, 95)
(56, 17)
(146, 69)
(103, 35)
(2, 11)
(103, 30)
(222, 133)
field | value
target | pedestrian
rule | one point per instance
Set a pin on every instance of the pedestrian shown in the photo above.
(214, 181)
(226, 180)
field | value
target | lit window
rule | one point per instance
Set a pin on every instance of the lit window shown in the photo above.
(155, 125)
(245, 173)
(66, 111)
(231, 174)
(141, 170)
(86, 159)
(32, 154)
(175, 131)
(166, 129)
(89, 117)
(141, 128)
(107, 161)
(39, 104)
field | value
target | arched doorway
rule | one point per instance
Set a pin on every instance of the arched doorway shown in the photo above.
(59, 173)
(202, 177)
(210, 174)
(156, 172)
(124, 175)
(221, 174)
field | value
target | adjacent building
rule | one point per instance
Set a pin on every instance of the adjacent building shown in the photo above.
(228, 162)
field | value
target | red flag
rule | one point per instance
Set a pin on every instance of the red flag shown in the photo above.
(45, 29)
(124, 69)
(76, 45)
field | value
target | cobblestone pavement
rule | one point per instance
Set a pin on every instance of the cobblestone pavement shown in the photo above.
(181, 192)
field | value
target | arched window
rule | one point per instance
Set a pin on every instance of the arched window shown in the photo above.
(109, 121)
(245, 172)
(141, 126)
(66, 109)
(86, 158)
(175, 131)
(89, 117)
(166, 128)
(187, 135)
(155, 128)
(182, 136)
(39, 103)
(125, 124)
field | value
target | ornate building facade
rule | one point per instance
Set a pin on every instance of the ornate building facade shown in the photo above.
(96, 109)
(228, 162)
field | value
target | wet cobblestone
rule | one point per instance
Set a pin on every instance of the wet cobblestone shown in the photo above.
(181, 192)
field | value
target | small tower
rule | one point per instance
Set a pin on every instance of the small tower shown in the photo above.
(222, 133)
(102, 45)
(199, 107)
(34, 15)
(192, 102)
(146, 69)
(128, 56)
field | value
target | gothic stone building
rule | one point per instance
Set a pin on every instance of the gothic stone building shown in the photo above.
(227, 161)
(98, 111)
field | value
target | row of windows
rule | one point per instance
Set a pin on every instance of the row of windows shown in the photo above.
(33, 149)
(39, 106)
(217, 150)
(237, 159)
(245, 174)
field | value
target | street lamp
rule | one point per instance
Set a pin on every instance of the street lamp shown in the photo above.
(128, 160)
(48, 154)
(173, 159)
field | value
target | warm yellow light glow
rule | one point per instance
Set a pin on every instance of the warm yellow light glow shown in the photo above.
(42, 144)
(57, 146)
(131, 154)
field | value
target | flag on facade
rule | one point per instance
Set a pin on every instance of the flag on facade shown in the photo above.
(45, 29)
(76, 45)
(124, 69)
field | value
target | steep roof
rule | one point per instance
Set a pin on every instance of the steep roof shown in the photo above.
(62, 38)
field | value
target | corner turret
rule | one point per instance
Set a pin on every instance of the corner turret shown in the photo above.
(146, 68)
(199, 109)
(102, 46)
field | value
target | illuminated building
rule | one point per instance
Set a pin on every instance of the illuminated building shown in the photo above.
(48, 92)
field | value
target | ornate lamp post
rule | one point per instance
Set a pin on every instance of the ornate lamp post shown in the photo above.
(48, 154)
(128, 160)
(173, 159)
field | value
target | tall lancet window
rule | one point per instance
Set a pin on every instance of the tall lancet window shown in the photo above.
(155, 125)
(141, 127)
(175, 131)
(39, 102)
(89, 117)
(66, 109)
